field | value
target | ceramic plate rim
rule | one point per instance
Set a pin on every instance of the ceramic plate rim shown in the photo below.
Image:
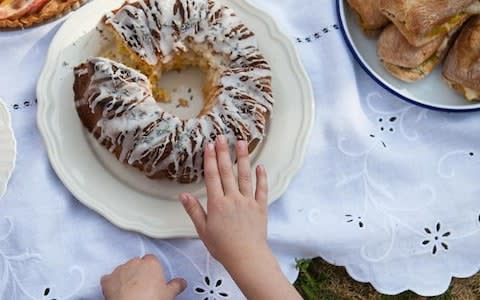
(5, 119)
(291, 169)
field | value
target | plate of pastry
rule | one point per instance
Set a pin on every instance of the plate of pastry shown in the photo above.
(7, 148)
(19, 14)
(132, 92)
(425, 52)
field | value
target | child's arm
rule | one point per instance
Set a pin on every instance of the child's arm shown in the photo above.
(235, 228)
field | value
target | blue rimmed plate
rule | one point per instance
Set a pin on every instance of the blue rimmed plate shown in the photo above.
(431, 92)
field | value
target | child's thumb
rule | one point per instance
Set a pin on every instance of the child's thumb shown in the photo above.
(176, 286)
(195, 210)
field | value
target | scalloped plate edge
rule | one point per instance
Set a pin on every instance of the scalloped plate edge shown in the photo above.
(8, 162)
(293, 166)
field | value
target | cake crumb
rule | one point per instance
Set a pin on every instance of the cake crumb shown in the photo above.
(183, 102)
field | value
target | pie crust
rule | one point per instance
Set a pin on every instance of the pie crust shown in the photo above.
(52, 10)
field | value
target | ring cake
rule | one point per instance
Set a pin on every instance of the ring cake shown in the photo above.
(117, 98)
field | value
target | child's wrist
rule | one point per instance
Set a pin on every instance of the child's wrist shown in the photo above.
(258, 256)
(260, 264)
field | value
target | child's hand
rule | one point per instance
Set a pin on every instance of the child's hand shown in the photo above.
(140, 279)
(235, 229)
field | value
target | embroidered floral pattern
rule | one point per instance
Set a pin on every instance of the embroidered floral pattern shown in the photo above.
(373, 192)
(9, 273)
(449, 162)
(207, 279)
(211, 290)
(389, 125)
(357, 220)
(11, 285)
(436, 238)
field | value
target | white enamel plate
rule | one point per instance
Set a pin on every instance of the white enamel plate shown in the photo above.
(431, 92)
(122, 195)
(7, 148)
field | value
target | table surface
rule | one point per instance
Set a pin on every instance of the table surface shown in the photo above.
(388, 189)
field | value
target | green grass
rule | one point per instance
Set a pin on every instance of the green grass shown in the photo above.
(319, 280)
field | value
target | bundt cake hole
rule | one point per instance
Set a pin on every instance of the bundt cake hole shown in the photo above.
(173, 82)
(188, 90)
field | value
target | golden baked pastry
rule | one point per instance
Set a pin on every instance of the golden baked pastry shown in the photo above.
(462, 66)
(369, 15)
(421, 21)
(407, 62)
(26, 13)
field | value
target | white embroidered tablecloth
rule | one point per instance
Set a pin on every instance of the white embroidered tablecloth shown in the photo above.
(388, 189)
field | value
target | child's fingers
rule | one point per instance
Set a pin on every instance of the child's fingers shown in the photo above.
(212, 177)
(109, 286)
(225, 166)
(151, 265)
(261, 192)
(175, 287)
(195, 211)
(244, 171)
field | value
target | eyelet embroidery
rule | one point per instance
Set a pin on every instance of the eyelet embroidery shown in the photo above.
(206, 285)
(385, 123)
(211, 290)
(24, 105)
(437, 238)
(45, 294)
(317, 35)
(357, 220)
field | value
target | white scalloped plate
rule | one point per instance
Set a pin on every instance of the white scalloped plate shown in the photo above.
(7, 148)
(120, 194)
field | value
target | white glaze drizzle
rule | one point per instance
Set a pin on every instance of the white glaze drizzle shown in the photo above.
(132, 120)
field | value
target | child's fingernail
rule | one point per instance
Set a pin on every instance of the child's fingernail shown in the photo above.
(183, 284)
(221, 139)
(210, 147)
(184, 199)
(261, 168)
(242, 146)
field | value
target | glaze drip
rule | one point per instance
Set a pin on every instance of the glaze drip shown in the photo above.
(133, 126)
